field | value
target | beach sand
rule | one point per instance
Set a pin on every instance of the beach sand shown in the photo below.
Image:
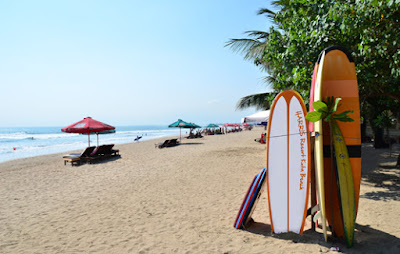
(182, 199)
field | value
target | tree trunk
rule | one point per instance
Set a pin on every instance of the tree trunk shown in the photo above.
(390, 142)
(364, 131)
(379, 141)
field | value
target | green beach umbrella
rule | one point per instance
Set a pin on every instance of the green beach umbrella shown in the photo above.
(211, 125)
(194, 126)
(181, 124)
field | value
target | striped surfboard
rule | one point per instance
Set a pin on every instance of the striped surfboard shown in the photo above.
(250, 200)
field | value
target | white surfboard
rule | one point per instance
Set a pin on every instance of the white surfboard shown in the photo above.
(288, 163)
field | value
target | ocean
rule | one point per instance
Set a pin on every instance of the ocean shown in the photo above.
(23, 142)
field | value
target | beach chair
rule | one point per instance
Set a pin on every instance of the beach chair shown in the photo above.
(162, 144)
(172, 142)
(75, 158)
(109, 151)
(102, 152)
(191, 135)
(106, 150)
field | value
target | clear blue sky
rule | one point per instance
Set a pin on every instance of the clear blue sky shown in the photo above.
(125, 62)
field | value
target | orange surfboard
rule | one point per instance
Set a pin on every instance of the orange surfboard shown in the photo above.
(340, 80)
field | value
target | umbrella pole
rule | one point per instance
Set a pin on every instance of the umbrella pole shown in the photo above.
(97, 139)
(180, 134)
(88, 136)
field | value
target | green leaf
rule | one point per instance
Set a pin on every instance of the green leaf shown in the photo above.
(336, 104)
(343, 119)
(343, 116)
(314, 116)
(344, 113)
(320, 106)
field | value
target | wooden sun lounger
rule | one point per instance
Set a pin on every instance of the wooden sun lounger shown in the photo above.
(102, 152)
(167, 143)
(75, 158)
(72, 160)
(162, 144)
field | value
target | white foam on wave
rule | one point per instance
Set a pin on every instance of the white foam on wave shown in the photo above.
(23, 135)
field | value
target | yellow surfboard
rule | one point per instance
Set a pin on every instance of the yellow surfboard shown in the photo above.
(345, 184)
(319, 152)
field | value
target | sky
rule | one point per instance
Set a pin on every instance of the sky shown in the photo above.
(126, 62)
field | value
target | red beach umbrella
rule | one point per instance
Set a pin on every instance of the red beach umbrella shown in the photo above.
(87, 126)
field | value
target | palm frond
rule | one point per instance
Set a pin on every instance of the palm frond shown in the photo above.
(252, 49)
(267, 12)
(281, 3)
(260, 101)
(256, 53)
(241, 45)
(269, 79)
(257, 34)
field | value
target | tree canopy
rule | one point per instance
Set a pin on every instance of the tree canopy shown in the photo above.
(301, 29)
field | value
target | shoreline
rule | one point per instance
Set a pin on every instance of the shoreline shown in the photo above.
(178, 199)
(80, 150)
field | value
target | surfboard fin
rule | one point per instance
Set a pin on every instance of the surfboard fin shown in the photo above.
(317, 216)
(315, 208)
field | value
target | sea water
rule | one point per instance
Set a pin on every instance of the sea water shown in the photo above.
(22, 142)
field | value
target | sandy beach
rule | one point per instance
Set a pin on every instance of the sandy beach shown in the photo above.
(181, 199)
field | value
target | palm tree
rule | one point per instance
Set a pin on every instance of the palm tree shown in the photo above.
(253, 49)
(258, 100)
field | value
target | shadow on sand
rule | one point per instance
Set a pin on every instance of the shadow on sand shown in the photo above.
(387, 177)
(366, 239)
(102, 161)
(379, 169)
(191, 143)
